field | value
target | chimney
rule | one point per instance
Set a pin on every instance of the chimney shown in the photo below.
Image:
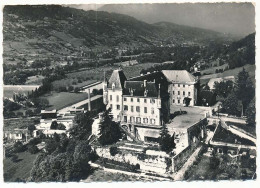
(145, 83)
(89, 99)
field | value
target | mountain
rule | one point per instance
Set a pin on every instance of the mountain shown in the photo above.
(92, 28)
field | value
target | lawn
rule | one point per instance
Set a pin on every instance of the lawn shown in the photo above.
(102, 176)
(20, 169)
(63, 99)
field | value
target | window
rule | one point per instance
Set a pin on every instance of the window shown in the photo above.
(132, 108)
(189, 93)
(173, 101)
(183, 93)
(117, 98)
(173, 92)
(138, 100)
(111, 106)
(137, 108)
(152, 121)
(113, 86)
(145, 109)
(125, 118)
(138, 120)
(183, 85)
(132, 119)
(125, 108)
(125, 99)
(178, 101)
(118, 107)
(178, 85)
(152, 110)
(152, 101)
(178, 92)
(173, 85)
(183, 101)
(145, 120)
(144, 100)
(132, 100)
(110, 97)
(118, 117)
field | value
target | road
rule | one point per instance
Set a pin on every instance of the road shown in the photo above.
(180, 174)
(76, 105)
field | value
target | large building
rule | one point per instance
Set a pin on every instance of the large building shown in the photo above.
(141, 104)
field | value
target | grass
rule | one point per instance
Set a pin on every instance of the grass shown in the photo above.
(69, 82)
(10, 90)
(102, 176)
(11, 124)
(63, 99)
(98, 73)
(231, 72)
(20, 169)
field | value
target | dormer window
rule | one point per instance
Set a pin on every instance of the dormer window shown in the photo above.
(132, 92)
(113, 86)
(145, 93)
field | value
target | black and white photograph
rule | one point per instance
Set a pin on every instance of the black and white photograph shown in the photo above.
(129, 92)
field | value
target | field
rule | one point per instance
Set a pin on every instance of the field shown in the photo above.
(20, 169)
(98, 73)
(232, 72)
(9, 90)
(60, 100)
(70, 82)
(212, 70)
(10, 124)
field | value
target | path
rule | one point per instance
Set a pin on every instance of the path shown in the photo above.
(76, 105)
(180, 174)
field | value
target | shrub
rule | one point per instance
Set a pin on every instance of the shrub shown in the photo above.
(113, 150)
(33, 149)
(19, 147)
(34, 141)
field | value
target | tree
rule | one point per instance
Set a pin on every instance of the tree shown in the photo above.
(231, 105)
(244, 88)
(54, 125)
(19, 147)
(33, 149)
(251, 113)
(223, 88)
(109, 130)
(166, 141)
(83, 126)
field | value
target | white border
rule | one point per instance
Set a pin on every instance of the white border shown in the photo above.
(200, 184)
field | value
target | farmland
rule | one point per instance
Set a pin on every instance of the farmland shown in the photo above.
(9, 90)
(60, 100)
(20, 169)
(10, 124)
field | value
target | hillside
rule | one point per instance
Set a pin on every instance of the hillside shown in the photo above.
(58, 31)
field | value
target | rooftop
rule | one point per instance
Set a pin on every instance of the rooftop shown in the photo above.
(194, 115)
(177, 76)
(118, 78)
(138, 88)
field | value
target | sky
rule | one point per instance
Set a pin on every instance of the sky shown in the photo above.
(233, 18)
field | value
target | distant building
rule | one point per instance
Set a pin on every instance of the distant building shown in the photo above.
(183, 87)
(16, 134)
(212, 81)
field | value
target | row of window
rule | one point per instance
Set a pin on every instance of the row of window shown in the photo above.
(182, 93)
(178, 101)
(132, 119)
(179, 85)
(132, 99)
(132, 109)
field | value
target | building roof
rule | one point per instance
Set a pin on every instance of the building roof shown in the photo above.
(118, 78)
(138, 88)
(178, 76)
